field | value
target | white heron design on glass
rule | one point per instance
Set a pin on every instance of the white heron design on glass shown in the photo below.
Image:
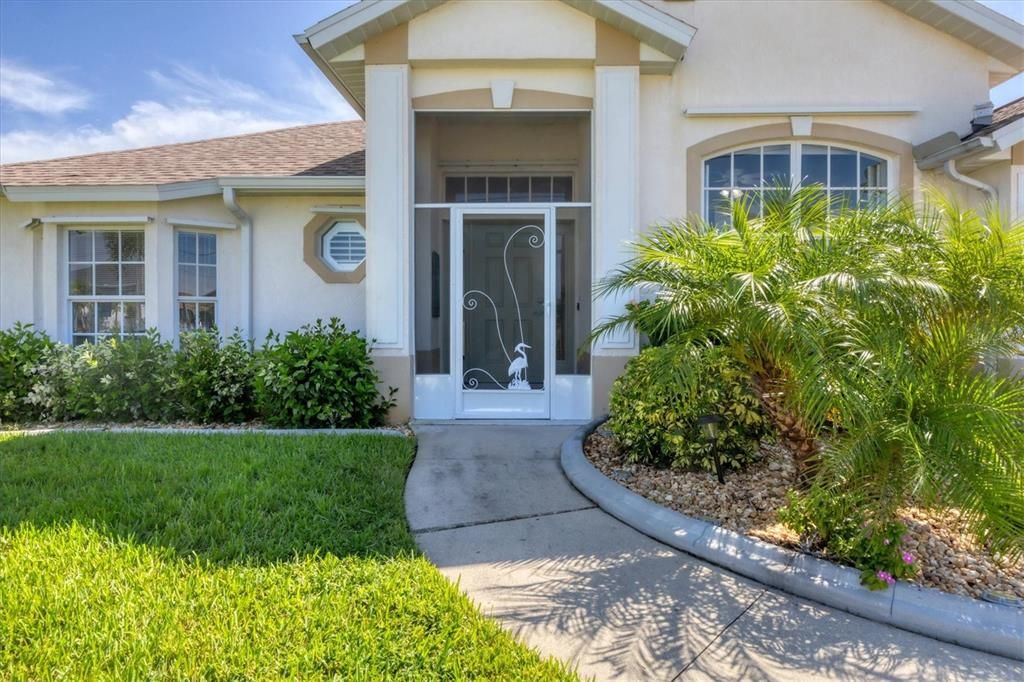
(517, 370)
(470, 300)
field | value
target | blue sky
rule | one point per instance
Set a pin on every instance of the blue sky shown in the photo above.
(112, 75)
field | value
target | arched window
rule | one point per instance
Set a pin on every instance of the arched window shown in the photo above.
(851, 177)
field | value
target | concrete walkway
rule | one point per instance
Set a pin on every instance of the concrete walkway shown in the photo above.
(489, 505)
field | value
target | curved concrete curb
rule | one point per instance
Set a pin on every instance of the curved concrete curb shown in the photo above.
(993, 628)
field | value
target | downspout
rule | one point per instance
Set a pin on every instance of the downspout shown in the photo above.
(245, 235)
(950, 168)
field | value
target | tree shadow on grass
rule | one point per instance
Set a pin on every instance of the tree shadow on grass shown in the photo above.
(251, 499)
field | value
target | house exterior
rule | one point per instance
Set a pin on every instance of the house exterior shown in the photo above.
(511, 149)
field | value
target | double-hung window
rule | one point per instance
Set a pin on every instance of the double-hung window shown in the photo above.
(197, 280)
(849, 177)
(106, 284)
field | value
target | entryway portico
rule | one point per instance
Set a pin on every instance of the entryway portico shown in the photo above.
(497, 196)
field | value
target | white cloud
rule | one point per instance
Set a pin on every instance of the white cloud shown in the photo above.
(192, 105)
(28, 89)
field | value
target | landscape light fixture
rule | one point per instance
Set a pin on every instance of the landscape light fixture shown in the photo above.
(709, 427)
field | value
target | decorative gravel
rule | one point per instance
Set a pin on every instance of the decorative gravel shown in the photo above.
(948, 557)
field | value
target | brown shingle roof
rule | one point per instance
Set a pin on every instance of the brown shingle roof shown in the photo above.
(1009, 111)
(1002, 116)
(310, 150)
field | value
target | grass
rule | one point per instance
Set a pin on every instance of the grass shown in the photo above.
(216, 556)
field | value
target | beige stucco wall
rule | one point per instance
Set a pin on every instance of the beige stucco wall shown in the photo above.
(286, 293)
(760, 53)
(501, 29)
(17, 274)
(749, 53)
(745, 54)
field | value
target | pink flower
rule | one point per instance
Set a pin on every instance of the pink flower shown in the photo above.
(887, 541)
(908, 558)
(886, 577)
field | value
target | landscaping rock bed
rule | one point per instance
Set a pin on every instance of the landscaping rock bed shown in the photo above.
(949, 558)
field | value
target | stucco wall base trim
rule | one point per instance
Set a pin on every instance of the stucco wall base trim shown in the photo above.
(604, 370)
(396, 372)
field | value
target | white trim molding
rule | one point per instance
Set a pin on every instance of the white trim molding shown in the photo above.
(202, 223)
(295, 183)
(339, 210)
(167, 192)
(97, 219)
(348, 184)
(798, 110)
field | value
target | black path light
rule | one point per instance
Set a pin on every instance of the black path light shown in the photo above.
(709, 427)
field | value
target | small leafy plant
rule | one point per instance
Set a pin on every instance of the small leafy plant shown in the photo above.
(119, 380)
(656, 403)
(22, 349)
(319, 376)
(213, 380)
(841, 526)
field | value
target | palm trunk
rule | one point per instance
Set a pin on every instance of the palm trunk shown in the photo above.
(793, 431)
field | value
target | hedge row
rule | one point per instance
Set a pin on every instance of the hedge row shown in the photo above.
(318, 376)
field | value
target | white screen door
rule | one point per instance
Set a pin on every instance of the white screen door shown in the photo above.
(502, 271)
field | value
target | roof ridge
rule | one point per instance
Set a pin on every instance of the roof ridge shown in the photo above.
(19, 164)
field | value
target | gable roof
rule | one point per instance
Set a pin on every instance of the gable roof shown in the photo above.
(354, 25)
(318, 150)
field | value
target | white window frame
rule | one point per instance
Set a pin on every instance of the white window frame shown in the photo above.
(178, 298)
(71, 299)
(341, 225)
(508, 176)
(795, 167)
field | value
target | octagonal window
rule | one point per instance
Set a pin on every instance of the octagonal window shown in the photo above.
(343, 246)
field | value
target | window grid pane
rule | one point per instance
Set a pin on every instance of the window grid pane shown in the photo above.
(197, 280)
(848, 177)
(108, 264)
(508, 188)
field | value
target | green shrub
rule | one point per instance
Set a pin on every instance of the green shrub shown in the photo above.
(863, 331)
(319, 376)
(22, 349)
(656, 403)
(842, 527)
(119, 380)
(213, 381)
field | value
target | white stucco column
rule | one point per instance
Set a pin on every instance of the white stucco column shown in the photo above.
(616, 208)
(389, 300)
(51, 281)
(161, 294)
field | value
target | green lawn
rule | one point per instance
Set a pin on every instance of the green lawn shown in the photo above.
(218, 556)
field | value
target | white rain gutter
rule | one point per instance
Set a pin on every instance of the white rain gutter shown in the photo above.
(245, 235)
(949, 167)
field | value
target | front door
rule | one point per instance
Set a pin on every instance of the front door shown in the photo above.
(502, 358)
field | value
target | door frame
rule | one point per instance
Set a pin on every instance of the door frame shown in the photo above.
(504, 403)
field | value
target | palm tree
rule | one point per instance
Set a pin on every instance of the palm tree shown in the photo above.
(766, 288)
(862, 331)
